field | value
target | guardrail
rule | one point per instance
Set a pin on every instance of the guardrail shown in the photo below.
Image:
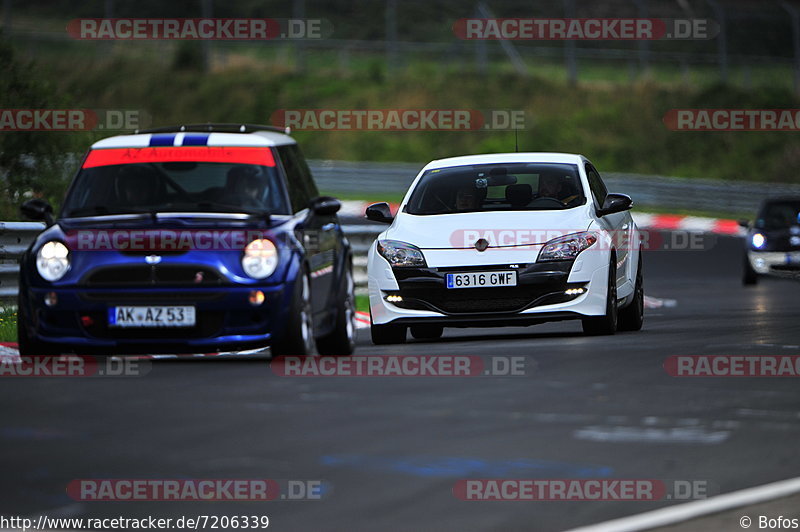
(15, 237)
(646, 190)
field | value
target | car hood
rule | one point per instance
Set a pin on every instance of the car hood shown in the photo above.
(172, 220)
(500, 229)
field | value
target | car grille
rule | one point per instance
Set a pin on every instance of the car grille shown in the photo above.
(479, 300)
(150, 297)
(148, 275)
(786, 267)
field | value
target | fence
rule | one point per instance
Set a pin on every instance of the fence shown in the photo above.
(753, 34)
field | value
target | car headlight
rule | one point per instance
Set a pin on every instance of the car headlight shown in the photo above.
(758, 240)
(401, 253)
(260, 258)
(566, 247)
(52, 261)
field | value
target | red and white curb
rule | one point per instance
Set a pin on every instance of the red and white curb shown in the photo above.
(667, 222)
(362, 320)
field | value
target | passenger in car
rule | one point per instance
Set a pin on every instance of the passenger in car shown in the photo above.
(469, 199)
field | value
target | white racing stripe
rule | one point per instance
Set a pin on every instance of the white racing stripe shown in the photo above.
(692, 510)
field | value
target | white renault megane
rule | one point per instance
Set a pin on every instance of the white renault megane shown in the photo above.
(505, 239)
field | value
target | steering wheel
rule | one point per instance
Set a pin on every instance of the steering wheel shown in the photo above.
(548, 198)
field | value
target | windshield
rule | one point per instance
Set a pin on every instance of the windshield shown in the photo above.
(175, 187)
(497, 187)
(779, 215)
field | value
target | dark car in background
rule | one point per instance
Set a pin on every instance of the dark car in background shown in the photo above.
(190, 239)
(772, 245)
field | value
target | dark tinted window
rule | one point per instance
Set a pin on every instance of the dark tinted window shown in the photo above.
(176, 186)
(301, 185)
(599, 190)
(779, 214)
(497, 187)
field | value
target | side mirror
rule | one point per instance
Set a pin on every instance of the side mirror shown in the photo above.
(325, 205)
(743, 223)
(39, 210)
(615, 203)
(380, 212)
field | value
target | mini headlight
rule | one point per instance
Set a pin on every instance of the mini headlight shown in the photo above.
(260, 258)
(566, 247)
(401, 253)
(52, 261)
(758, 240)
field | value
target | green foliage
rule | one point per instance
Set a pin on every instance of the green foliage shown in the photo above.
(31, 163)
(618, 124)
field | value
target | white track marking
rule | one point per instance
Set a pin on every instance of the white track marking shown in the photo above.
(692, 510)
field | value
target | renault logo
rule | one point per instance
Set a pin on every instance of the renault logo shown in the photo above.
(152, 259)
(481, 244)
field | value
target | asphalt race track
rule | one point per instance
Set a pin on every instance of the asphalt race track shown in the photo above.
(389, 450)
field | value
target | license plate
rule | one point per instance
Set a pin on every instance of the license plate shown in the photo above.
(481, 279)
(151, 316)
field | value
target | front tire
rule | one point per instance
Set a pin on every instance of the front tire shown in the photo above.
(342, 340)
(606, 324)
(749, 277)
(298, 337)
(27, 346)
(427, 332)
(631, 317)
(387, 334)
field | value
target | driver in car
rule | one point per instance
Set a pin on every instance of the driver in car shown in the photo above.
(556, 187)
(136, 186)
(244, 186)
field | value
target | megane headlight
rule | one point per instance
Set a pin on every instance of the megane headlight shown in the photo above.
(260, 258)
(758, 240)
(52, 260)
(401, 254)
(567, 247)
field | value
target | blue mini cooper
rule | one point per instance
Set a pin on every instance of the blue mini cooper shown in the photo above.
(189, 239)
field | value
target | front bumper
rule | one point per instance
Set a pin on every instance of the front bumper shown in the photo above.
(225, 320)
(540, 294)
(777, 263)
